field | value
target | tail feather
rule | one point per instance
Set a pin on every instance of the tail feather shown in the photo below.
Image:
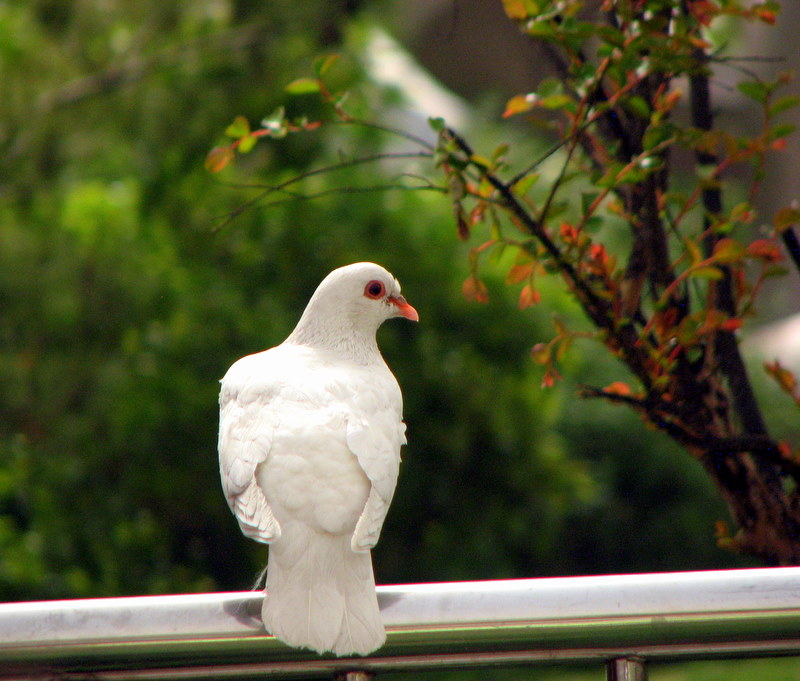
(321, 594)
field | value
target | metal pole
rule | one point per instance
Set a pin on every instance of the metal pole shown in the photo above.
(626, 669)
(611, 620)
(355, 675)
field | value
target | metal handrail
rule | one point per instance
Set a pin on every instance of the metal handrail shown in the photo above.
(617, 620)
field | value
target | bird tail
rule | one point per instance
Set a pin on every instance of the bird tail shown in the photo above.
(321, 594)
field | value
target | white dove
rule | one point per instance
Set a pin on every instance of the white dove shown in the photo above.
(309, 450)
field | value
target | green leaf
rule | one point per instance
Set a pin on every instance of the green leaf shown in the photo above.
(637, 106)
(276, 121)
(610, 35)
(239, 128)
(775, 271)
(323, 64)
(695, 255)
(587, 199)
(784, 104)
(651, 163)
(500, 150)
(657, 134)
(754, 90)
(728, 251)
(706, 272)
(524, 184)
(437, 124)
(558, 101)
(303, 86)
(782, 130)
(542, 30)
(609, 178)
(617, 175)
(787, 217)
(550, 86)
(481, 161)
(706, 173)
(246, 144)
(593, 223)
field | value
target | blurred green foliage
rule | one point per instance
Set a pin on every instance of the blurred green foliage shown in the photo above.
(124, 299)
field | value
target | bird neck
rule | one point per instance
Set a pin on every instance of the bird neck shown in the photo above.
(343, 339)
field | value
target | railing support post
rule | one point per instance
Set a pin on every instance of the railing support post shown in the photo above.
(626, 669)
(355, 675)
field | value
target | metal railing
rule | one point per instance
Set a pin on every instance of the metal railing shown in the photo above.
(620, 621)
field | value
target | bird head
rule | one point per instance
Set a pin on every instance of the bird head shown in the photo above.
(352, 301)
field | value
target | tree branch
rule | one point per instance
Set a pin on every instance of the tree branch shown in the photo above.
(600, 311)
(792, 245)
(731, 361)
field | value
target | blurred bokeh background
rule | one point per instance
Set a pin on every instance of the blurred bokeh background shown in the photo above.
(125, 295)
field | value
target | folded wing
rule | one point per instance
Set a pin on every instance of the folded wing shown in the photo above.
(245, 437)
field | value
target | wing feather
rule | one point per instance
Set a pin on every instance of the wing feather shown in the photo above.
(245, 437)
(375, 433)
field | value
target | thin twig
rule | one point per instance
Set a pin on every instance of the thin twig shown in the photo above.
(397, 132)
(282, 187)
(292, 196)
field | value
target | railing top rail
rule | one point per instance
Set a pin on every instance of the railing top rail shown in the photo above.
(663, 616)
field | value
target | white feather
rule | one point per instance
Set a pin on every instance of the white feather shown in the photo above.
(309, 445)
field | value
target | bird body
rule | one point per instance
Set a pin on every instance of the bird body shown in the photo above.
(309, 444)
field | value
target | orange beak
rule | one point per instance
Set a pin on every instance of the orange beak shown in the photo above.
(403, 308)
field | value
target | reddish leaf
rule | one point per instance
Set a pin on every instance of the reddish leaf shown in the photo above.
(598, 253)
(569, 233)
(474, 289)
(766, 15)
(485, 245)
(785, 378)
(766, 250)
(477, 213)
(540, 353)
(528, 296)
(550, 377)
(519, 273)
(742, 213)
(515, 9)
(461, 220)
(732, 324)
(518, 104)
(618, 388)
(218, 158)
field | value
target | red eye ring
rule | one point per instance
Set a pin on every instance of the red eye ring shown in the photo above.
(375, 289)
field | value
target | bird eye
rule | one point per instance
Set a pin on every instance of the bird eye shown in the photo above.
(375, 289)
